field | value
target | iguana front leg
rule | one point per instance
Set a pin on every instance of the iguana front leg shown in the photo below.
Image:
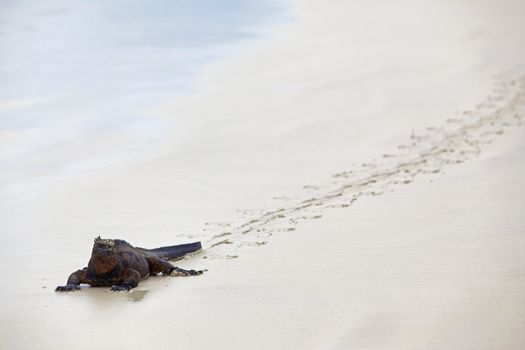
(74, 281)
(130, 279)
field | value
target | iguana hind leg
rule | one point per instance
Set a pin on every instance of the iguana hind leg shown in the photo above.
(157, 265)
(74, 281)
(181, 272)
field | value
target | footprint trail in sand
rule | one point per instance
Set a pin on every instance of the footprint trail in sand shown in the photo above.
(429, 153)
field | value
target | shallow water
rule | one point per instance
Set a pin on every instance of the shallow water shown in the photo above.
(89, 76)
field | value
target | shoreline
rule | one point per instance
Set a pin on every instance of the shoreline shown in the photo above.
(356, 183)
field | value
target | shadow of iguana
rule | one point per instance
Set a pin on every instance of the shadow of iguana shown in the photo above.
(118, 264)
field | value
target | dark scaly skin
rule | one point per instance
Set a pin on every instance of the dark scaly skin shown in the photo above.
(119, 265)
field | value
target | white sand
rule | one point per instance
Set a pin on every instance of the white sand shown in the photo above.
(420, 248)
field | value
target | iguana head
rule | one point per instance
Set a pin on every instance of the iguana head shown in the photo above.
(104, 246)
(104, 242)
(103, 256)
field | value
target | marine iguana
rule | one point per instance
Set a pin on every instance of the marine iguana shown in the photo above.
(116, 263)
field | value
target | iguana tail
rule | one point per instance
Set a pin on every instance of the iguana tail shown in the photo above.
(175, 252)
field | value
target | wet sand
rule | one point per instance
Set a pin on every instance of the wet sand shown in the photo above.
(346, 198)
(435, 264)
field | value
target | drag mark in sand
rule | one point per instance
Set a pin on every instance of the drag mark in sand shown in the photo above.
(428, 153)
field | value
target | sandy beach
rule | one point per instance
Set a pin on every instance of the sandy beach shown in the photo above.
(354, 174)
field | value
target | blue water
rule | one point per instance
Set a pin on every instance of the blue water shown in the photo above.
(74, 70)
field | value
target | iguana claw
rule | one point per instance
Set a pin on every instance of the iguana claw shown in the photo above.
(67, 288)
(121, 287)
